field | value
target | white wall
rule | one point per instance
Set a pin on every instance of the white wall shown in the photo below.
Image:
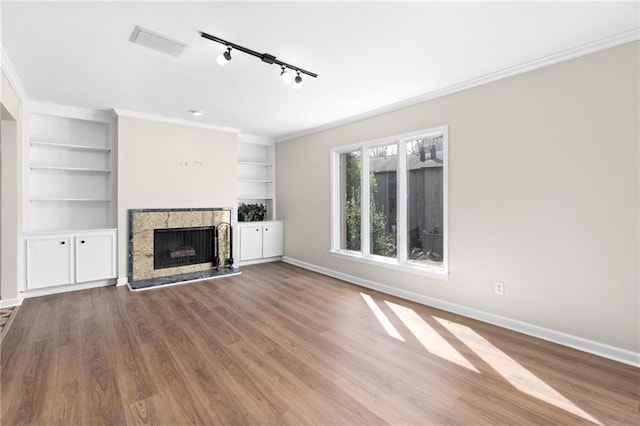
(11, 191)
(152, 171)
(544, 193)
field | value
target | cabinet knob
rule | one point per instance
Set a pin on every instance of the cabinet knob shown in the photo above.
(61, 242)
(266, 229)
(257, 229)
(81, 241)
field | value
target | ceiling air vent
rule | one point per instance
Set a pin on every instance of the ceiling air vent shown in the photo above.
(156, 41)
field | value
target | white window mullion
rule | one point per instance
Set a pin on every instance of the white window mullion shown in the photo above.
(402, 233)
(336, 204)
(365, 219)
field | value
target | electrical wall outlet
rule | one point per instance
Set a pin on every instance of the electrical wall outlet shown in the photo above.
(498, 287)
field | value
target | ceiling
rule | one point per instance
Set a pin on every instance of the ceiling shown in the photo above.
(368, 55)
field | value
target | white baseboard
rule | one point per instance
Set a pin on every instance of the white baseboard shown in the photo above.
(596, 348)
(9, 303)
(66, 288)
(256, 261)
(122, 281)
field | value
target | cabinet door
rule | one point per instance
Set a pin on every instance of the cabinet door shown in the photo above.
(272, 244)
(49, 262)
(95, 257)
(250, 242)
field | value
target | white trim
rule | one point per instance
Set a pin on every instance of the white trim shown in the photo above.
(122, 281)
(585, 49)
(9, 303)
(365, 202)
(256, 261)
(590, 346)
(392, 263)
(12, 76)
(37, 107)
(66, 288)
(163, 119)
(254, 139)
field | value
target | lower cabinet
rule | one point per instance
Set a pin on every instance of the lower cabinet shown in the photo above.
(261, 240)
(58, 259)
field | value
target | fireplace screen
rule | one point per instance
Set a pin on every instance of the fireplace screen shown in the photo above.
(182, 246)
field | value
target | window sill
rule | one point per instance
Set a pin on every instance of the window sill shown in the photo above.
(425, 271)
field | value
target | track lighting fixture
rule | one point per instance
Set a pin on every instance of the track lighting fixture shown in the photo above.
(264, 57)
(286, 77)
(224, 57)
(297, 83)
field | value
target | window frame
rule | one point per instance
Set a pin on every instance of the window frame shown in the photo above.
(401, 262)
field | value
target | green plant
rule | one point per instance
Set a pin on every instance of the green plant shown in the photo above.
(252, 212)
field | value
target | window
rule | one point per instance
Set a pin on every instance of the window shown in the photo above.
(403, 222)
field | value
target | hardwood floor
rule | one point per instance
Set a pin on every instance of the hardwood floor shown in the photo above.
(279, 344)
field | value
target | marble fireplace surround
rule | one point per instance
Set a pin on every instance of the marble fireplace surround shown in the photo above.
(142, 223)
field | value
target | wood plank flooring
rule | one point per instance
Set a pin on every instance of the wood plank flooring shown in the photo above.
(282, 345)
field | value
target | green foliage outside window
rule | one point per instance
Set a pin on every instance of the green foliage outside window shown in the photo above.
(382, 244)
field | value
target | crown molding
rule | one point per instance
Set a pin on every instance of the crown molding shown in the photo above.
(582, 50)
(163, 119)
(259, 140)
(38, 107)
(12, 76)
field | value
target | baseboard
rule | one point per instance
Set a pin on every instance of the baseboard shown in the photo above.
(65, 288)
(8, 303)
(596, 348)
(256, 261)
(122, 281)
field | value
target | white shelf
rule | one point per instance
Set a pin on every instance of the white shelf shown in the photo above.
(69, 147)
(92, 200)
(69, 178)
(70, 169)
(251, 163)
(256, 180)
(256, 174)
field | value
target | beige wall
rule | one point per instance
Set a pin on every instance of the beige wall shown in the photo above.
(543, 195)
(151, 173)
(11, 135)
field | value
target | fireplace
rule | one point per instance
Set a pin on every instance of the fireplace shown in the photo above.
(179, 245)
(182, 246)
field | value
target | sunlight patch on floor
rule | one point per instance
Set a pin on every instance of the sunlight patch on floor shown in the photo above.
(518, 376)
(382, 318)
(430, 338)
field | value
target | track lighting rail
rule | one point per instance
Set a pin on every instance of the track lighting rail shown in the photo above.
(264, 57)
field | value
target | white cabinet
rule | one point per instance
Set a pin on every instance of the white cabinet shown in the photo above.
(260, 240)
(95, 257)
(272, 239)
(59, 259)
(250, 242)
(49, 261)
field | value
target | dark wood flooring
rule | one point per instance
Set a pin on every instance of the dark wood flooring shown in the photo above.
(279, 344)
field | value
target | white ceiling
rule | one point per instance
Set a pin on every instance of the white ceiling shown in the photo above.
(368, 54)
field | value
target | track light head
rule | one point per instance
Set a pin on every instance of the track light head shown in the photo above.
(297, 83)
(286, 77)
(224, 57)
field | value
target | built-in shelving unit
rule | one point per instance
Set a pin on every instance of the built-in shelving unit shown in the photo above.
(256, 161)
(69, 177)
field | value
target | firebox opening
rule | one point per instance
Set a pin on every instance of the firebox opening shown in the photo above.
(182, 246)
